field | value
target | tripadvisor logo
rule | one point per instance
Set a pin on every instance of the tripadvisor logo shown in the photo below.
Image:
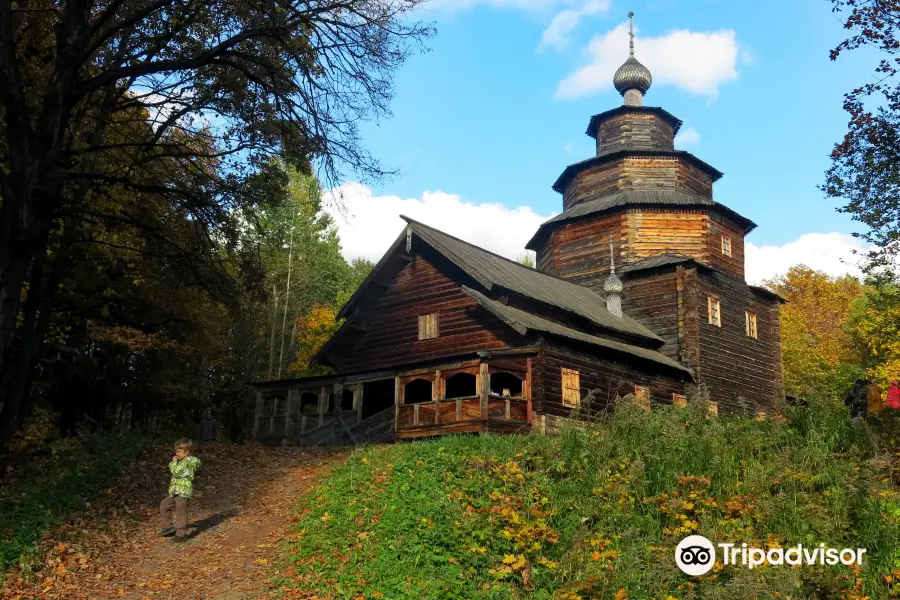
(696, 555)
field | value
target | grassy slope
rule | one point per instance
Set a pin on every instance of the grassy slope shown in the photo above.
(597, 514)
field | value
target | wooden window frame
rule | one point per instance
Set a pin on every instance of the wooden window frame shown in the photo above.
(710, 300)
(726, 245)
(423, 326)
(679, 400)
(751, 324)
(569, 392)
(642, 396)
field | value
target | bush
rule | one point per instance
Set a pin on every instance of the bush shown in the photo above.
(597, 511)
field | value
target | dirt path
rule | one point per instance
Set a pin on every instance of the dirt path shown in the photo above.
(240, 514)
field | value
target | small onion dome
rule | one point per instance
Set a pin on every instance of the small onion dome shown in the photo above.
(613, 284)
(632, 76)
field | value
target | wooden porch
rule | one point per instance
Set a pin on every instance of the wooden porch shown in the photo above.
(491, 394)
(463, 398)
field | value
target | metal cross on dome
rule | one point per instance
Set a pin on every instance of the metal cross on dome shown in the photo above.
(631, 32)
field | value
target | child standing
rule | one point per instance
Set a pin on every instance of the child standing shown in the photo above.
(181, 488)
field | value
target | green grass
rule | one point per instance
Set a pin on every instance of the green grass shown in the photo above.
(52, 488)
(598, 513)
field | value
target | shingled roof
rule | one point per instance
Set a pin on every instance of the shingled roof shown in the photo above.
(524, 322)
(665, 115)
(575, 168)
(646, 197)
(492, 270)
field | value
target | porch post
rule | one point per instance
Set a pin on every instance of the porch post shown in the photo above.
(526, 391)
(323, 404)
(485, 380)
(398, 400)
(287, 411)
(338, 399)
(358, 401)
(436, 395)
(259, 406)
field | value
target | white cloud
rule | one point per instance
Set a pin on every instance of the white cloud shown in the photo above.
(687, 137)
(370, 224)
(831, 253)
(557, 33)
(698, 62)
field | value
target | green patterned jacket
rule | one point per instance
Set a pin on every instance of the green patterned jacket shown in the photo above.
(183, 476)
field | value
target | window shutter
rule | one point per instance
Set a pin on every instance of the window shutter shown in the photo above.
(428, 326)
(642, 395)
(571, 388)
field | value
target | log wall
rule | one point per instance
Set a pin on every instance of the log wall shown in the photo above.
(718, 226)
(732, 364)
(654, 302)
(637, 173)
(422, 288)
(612, 376)
(641, 131)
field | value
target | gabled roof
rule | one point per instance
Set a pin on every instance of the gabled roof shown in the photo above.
(767, 293)
(648, 197)
(494, 271)
(524, 322)
(665, 115)
(574, 169)
(676, 259)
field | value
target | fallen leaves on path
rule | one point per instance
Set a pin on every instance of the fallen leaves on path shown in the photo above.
(240, 513)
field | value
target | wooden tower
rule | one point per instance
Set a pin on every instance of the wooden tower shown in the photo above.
(681, 253)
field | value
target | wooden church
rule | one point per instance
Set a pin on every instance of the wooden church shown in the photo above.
(639, 289)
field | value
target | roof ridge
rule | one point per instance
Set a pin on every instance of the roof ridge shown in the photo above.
(471, 245)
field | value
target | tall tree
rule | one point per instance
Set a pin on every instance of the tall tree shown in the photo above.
(819, 352)
(228, 85)
(865, 165)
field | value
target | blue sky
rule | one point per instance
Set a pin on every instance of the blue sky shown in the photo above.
(487, 118)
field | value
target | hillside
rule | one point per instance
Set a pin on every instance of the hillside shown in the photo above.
(597, 513)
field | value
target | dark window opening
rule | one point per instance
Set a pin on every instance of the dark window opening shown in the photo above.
(460, 385)
(330, 408)
(416, 391)
(377, 396)
(506, 384)
(309, 403)
(347, 399)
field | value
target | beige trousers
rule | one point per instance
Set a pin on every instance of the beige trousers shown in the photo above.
(180, 505)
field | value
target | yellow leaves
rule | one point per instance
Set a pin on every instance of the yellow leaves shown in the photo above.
(313, 330)
(261, 562)
(621, 595)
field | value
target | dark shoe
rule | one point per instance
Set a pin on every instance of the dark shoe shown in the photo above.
(178, 539)
(167, 531)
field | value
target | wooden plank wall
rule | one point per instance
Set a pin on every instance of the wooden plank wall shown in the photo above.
(637, 173)
(422, 288)
(653, 301)
(582, 247)
(733, 365)
(644, 131)
(654, 231)
(719, 226)
(613, 376)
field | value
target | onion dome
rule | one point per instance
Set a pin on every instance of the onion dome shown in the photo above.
(632, 79)
(632, 75)
(613, 286)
